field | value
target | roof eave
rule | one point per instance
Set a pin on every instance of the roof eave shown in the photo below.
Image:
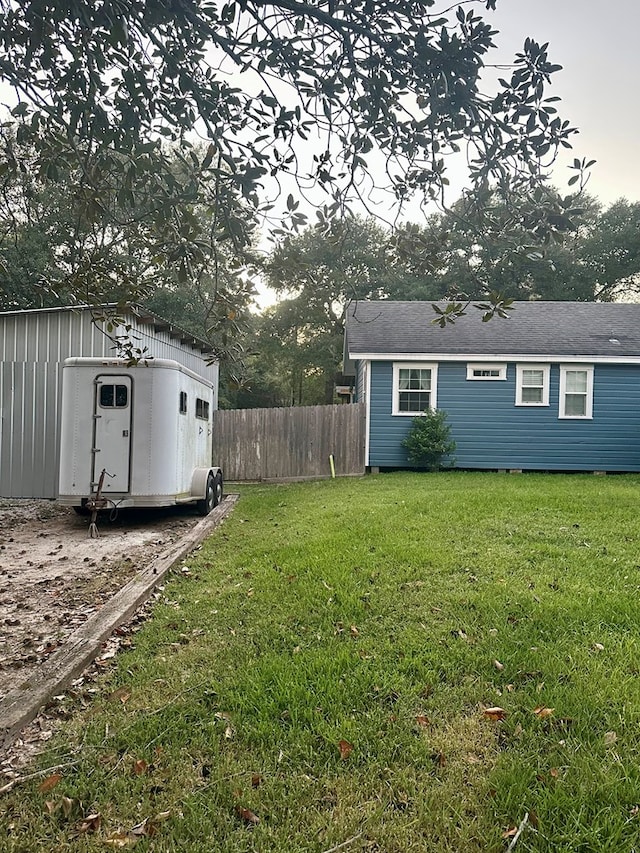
(495, 357)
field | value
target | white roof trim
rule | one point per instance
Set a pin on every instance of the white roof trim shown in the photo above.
(502, 357)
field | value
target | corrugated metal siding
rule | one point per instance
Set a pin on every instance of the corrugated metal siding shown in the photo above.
(491, 432)
(33, 346)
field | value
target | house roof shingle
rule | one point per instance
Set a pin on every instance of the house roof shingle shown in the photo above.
(533, 328)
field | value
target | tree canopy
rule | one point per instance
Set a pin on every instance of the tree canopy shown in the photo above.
(482, 249)
(316, 274)
(295, 351)
(349, 97)
(595, 256)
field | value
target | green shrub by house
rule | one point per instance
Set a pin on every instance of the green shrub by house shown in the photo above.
(429, 440)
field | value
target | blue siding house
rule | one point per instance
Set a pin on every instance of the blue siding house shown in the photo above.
(555, 387)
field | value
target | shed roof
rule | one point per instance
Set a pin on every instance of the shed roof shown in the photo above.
(532, 328)
(143, 315)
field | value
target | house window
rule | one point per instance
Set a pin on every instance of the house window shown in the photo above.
(114, 396)
(183, 403)
(414, 388)
(576, 391)
(487, 371)
(202, 409)
(532, 384)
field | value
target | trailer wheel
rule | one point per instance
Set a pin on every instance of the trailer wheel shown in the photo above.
(205, 506)
(218, 489)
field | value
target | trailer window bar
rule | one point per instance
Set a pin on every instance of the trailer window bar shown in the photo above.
(183, 403)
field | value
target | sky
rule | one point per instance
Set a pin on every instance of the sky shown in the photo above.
(597, 45)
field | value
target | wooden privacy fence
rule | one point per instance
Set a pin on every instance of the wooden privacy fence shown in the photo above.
(291, 443)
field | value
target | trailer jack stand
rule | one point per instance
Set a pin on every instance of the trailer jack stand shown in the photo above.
(96, 504)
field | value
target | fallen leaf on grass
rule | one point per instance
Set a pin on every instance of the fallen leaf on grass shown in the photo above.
(543, 712)
(65, 804)
(598, 647)
(423, 720)
(91, 823)
(229, 730)
(122, 693)
(144, 828)
(499, 666)
(440, 759)
(49, 783)
(345, 749)
(107, 655)
(495, 714)
(140, 767)
(121, 840)
(509, 833)
(147, 828)
(610, 738)
(247, 815)
(256, 780)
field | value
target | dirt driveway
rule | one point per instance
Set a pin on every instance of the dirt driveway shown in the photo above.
(53, 577)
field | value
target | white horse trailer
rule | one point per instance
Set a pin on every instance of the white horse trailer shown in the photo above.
(147, 427)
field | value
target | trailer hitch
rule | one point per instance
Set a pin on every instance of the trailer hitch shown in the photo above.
(95, 504)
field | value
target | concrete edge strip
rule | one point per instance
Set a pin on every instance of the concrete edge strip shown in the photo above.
(22, 704)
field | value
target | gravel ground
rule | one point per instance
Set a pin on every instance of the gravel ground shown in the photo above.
(53, 576)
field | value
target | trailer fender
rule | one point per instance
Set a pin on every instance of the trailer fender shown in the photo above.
(206, 488)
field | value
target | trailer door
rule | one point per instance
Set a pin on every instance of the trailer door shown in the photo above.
(112, 432)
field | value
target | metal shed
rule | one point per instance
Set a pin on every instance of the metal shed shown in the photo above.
(33, 347)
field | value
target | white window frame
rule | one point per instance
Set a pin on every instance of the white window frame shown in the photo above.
(546, 372)
(580, 368)
(501, 370)
(418, 365)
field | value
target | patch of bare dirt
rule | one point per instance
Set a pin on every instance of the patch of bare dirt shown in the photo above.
(53, 577)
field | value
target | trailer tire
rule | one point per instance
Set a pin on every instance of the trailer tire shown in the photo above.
(218, 489)
(205, 506)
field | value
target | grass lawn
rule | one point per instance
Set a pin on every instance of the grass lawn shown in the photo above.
(320, 679)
